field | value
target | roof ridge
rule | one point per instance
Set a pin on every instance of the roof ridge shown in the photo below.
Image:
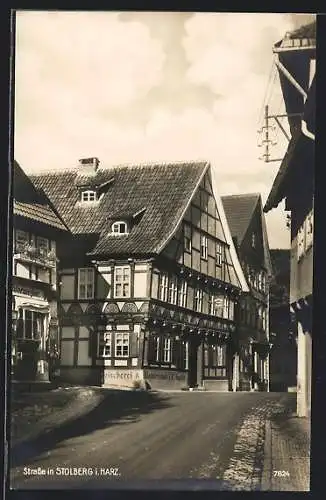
(257, 194)
(152, 164)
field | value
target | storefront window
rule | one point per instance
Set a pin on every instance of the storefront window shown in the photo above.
(30, 325)
(214, 360)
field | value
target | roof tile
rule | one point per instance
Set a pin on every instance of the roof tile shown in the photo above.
(239, 210)
(163, 189)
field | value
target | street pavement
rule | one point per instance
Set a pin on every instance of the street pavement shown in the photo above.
(182, 438)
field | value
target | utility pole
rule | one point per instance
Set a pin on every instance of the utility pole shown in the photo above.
(266, 140)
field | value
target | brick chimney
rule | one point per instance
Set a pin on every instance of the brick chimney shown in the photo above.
(88, 166)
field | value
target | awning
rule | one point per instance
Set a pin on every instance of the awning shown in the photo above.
(38, 305)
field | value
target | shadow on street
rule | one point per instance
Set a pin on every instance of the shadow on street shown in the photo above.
(117, 408)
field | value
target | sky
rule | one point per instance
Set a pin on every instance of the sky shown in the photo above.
(134, 87)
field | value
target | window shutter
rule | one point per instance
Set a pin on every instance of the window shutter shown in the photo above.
(134, 349)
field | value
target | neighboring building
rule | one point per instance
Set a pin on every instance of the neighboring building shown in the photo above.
(283, 356)
(295, 182)
(246, 220)
(36, 231)
(149, 278)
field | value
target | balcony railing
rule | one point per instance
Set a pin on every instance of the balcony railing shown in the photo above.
(35, 255)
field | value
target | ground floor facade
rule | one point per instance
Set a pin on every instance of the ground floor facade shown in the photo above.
(154, 346)
(144, 344)
(33, 323)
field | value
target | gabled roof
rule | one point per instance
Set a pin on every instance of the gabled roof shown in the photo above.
(160, 191)
(39, 213)
(228, 236)
(30, 203)
(239, 209)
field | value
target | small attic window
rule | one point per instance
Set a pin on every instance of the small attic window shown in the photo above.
(88, 196)
(119, 227)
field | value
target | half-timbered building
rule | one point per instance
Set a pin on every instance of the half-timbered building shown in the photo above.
(246, 220)
(36, 232)
(149, 276)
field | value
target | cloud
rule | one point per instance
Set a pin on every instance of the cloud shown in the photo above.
(83, 61)
(155, 88)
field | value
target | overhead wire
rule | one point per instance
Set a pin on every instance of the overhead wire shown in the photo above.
(267, 90)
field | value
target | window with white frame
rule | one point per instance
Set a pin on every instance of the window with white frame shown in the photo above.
(264, 319)
(173, 290)
(21, 240)
(88, 196)
(121, 344)
(221, 355)
(30, 324)
(260, 275)
(231, 309)
(167, 350)
(42, 243)
(182, 291)
(216, 305)
(260, 317)
(214, 360)
(119, 227)
(157, 349)
(203, 246)
(122, 281)
(163, 287)
(86, 283)
(185, 345)
(301, 242)
(309, 230)
(187, 237)
(226, 307)
(219, 249)
(105, 346)
(198, 300)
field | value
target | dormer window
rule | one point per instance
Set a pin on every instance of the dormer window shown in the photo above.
(119, 227)
(88, 196)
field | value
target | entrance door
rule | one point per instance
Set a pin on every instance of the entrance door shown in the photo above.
(192, 364)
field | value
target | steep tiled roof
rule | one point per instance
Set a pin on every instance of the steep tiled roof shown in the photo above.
(306, 31)
(303, 37)
(30, 203)
(239, 210)
(164, 190)
(40, 213)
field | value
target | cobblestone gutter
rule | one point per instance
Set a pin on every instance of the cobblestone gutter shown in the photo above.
(248, 462)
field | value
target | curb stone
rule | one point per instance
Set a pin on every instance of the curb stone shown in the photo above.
(266, 481)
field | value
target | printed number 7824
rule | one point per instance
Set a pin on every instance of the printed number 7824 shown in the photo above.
(281, 473)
